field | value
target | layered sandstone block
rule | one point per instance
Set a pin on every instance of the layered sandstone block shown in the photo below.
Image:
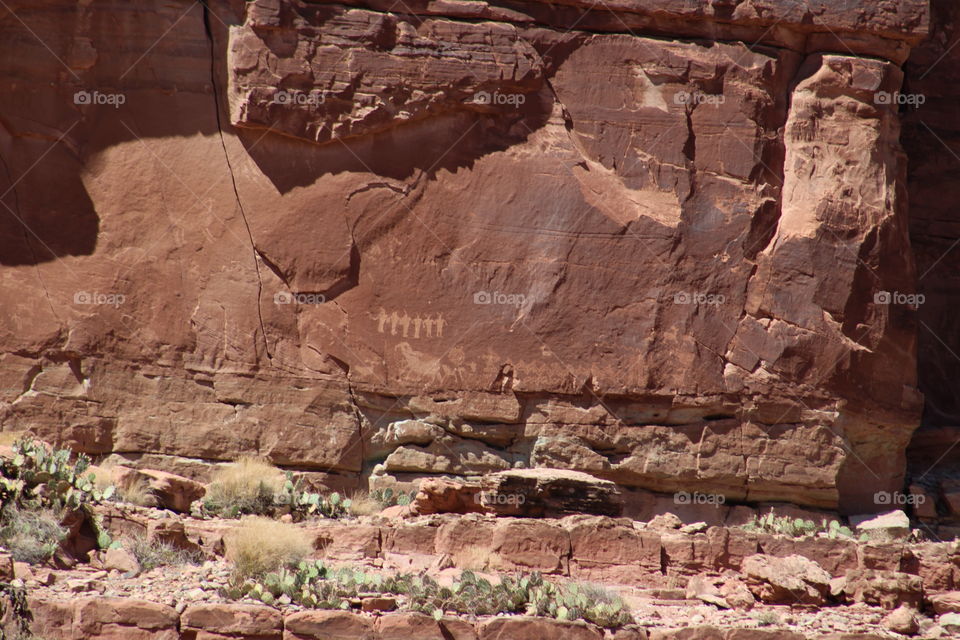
(645, 243)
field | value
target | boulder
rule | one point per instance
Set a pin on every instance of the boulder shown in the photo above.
(378, 604)
(526, 628)
(170, 491)
(443, 495)
(692, 632)
(233, 619)
(704, 588)
(893, 525)
(902, 620)
(529, 545)
(127, 618)
(344, 542)
(520, 492)
(665, 522)
(945, 602)
(611, 550)
(950, 622)
(53, 619)
(887, 589)
(789, 580)
(119, 559)
(835, 555)
(549, 493)
(403, 432)
(417, 626)
(8, 569)
(328, 625)
(737, 594)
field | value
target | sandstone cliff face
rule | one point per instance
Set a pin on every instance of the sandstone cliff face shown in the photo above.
(931, 137)
(649, 243)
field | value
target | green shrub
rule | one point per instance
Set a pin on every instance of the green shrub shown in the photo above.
(312, 585)
(251, 486)
(388, 497)
(38, 477)
(39, 486)
(797, 527)
(32, 536)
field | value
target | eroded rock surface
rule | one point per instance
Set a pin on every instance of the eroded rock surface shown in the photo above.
(464, 238)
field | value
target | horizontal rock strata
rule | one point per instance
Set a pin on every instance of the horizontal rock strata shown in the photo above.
(644, 243)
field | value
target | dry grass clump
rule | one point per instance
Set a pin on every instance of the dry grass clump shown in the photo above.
(8, 438)
(33, 535)
(131, 487)
(156, 553)
(247, 486)
(363, 504)
(261, 545)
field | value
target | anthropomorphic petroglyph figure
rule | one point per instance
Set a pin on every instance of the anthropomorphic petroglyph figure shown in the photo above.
(428, 323)
(381, 319)
(405, 323)
(417, 323)
(394, 321)
(440, 325)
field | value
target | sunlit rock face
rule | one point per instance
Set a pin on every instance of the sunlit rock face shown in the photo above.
(667, 245)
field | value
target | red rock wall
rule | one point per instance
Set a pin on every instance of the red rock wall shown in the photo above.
(932, 139)
(620, 241)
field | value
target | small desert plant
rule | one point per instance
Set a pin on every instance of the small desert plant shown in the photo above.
(767, 619)
(364, 504)
(304, 504)
(797, 527)
(312, 585)
(388, 497)
(32, 536)
(247, 486)
(260, 545)
(39, 486)
(153, 554)
(834, 529)
(40, 477)
(132, 488)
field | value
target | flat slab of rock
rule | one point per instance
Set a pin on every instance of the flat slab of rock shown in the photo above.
(533, 493)
(549, 492)
(894, 525)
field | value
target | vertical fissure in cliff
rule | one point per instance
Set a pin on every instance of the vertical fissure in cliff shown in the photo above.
(208, 29)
